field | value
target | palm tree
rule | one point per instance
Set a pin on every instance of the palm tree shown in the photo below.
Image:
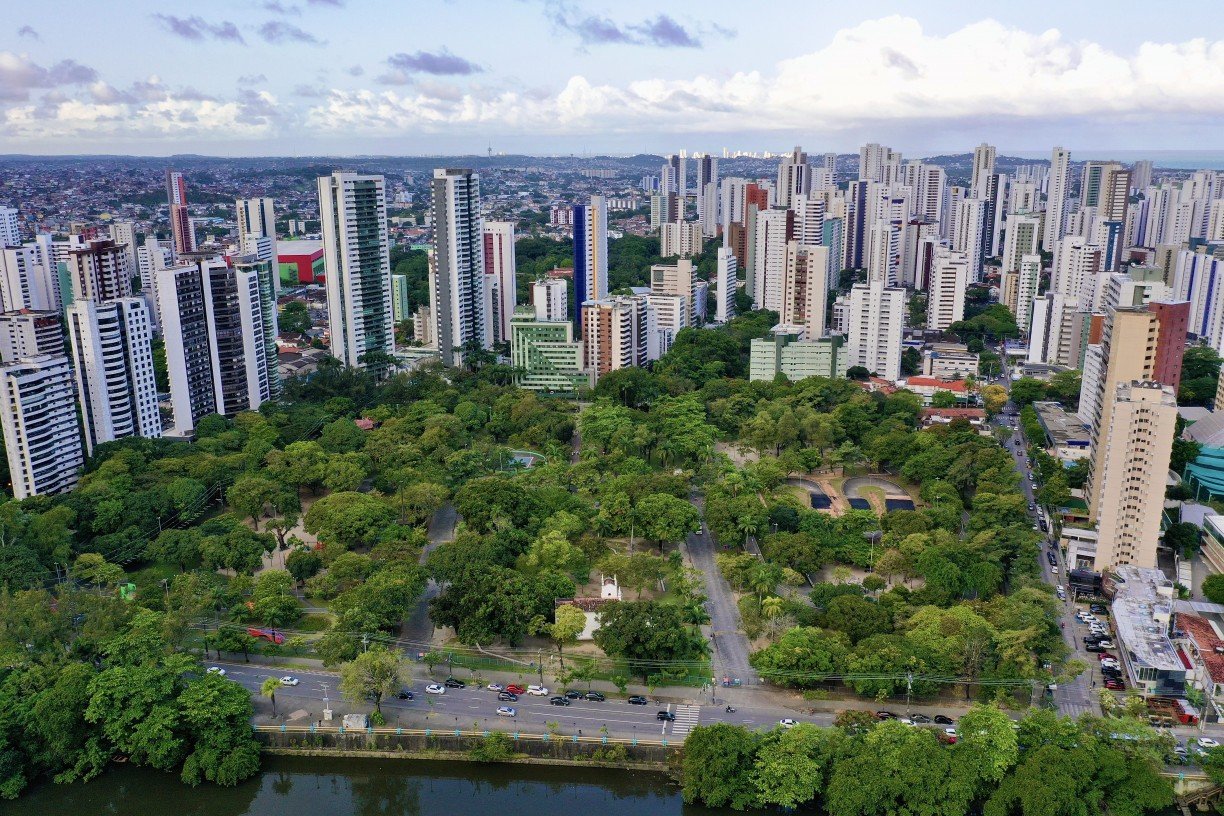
(268, 689)
(763, 578)
(771, 607)
(748, 525)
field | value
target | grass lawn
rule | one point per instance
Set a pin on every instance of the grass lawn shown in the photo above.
(313, 623)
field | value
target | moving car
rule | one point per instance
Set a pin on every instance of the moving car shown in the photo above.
(434, 688)
(573, 695)
(595, 696)
(921, 719)
(666, 716)
(506, 711)
(288, 680)
(559, 701)
(885, 715)
(506, 697)
(404, 694)
(217, 670)
(637, 699)
(1115, 685)
(940, 719)
(537, 691)
(786, 722)
(451, 682)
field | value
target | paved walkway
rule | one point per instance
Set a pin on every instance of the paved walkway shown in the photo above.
(726, 631)
(417, 626)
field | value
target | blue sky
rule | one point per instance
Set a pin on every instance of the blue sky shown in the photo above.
(298, 77)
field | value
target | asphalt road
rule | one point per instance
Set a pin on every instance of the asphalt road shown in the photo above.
(417, 626)
(728, 645)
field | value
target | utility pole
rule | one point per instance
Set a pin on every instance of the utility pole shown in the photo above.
(909, 691)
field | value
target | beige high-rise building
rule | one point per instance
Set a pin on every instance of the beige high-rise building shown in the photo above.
(1132, 467)
(1009, 290)
(1128, 352)
(805, 290)
(674, 279)
(946, 292)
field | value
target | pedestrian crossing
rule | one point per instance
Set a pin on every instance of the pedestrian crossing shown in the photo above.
(687, 717)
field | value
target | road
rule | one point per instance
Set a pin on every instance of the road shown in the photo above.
(417, 626)
(1075, 697)
(728, 643)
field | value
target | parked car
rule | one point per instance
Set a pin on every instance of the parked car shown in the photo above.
(434, 688)
(1106, 644)
(940, 719)
(558, 701)
(507, 697)
(921, 719)
(595, 696)
(506, 711)
(537, 691)
(885, 715)
(637, 699)
(665, 716)
(1094, 648)
(217, 670)
(289, 680)
(786, 722)
(573, 695)
(404, 694)
(1207, 742)
(1099, 609)
(515, 688)
(1115, 685)
(451, 682)
(495, 687)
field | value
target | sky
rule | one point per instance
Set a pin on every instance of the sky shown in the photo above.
(559, 77)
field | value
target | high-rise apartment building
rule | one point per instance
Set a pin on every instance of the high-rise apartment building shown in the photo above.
(794, 177)
(112, 356)
(884, 252)
(591, 253)
(99, 270)
(969, 235)
(1130, 471)
(983, 169)
(257, 230)
(1077, 262)
(1056, 198)
(26, 282)
(946, 293)
(805, 290)
(400, 310)
(29, 334)
(707, 194)
(666, 316)
(876, 323)
(1023, 232)
(42, 435)
(773, 229)
(501, 287)
(548, 296)
(544, 354)
(357, 263)
(681, 239)
(725, 275)
(189, 359)
(616, 335)
(182, 232)
(10, 233)
(1029, 278)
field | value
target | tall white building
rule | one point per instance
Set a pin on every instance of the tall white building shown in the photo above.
(10, 234)
(617, 334)
(25, 282)
(876, 323)
(357, 263)
(884, 252)
(548, 296)
(773, 230)
(1023, 231)
(878, 163)
(666, 315)
(42, 436)
(458, 270)
(112, 357)
(1076, 263)
(99, 270)
(123, 233)
(946, 293)
(29, 334)
(501, 288)
(1056, 198)
(805, 289)
(725, 274)
(983, 169)
(257, 230)
(1029, 279)
(794, 177)
(969, 235)
(680, 239)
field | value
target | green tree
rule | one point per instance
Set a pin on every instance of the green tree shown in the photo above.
(987, 744)
(718, 761)
(303, 564)
(1027, 390)
(1213, 588)
(268, 688)
(348, 520)
(371, 675)
(667, 519)
(294, 318)
(803, 657)
(792, 764)
(646, 633)
(216, 719)
(569, 624)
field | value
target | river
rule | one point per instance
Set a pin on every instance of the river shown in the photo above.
(292, 786)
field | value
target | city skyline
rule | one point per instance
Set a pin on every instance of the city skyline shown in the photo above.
(346, 77)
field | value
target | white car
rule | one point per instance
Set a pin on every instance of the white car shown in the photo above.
(506, 711)
(1207, 742)
(786, 722)
(951, 732)
(434, 688)
(495, 687)
(287, 680)
(537, 691)
(217, 670)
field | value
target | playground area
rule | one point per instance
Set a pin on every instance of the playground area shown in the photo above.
(835, 494)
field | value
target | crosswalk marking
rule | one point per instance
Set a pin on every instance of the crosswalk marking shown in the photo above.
(687, 717)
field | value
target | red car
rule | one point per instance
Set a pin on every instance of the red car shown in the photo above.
(1115, 685)
(514, 688)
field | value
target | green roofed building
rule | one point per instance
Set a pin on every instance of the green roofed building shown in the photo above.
(787, 352)
(545, 354)
(399, 298)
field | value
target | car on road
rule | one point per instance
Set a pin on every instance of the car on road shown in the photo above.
(559, 701)
(451, 682)
(786, 722)
(885, 715)
(217, 670)
(637, 699)
(514, 688)
(537, 691)
(595, 696)
(1032, 507)
(921, 719)
(573, 695)
(1053, 570)
(1207, 742)
(506, 711)
(495, 687)
(404, 694)
(1115, 685)
(941, 719)
(665, 716)
(434, 688)
(289, 680)
(507, 697)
